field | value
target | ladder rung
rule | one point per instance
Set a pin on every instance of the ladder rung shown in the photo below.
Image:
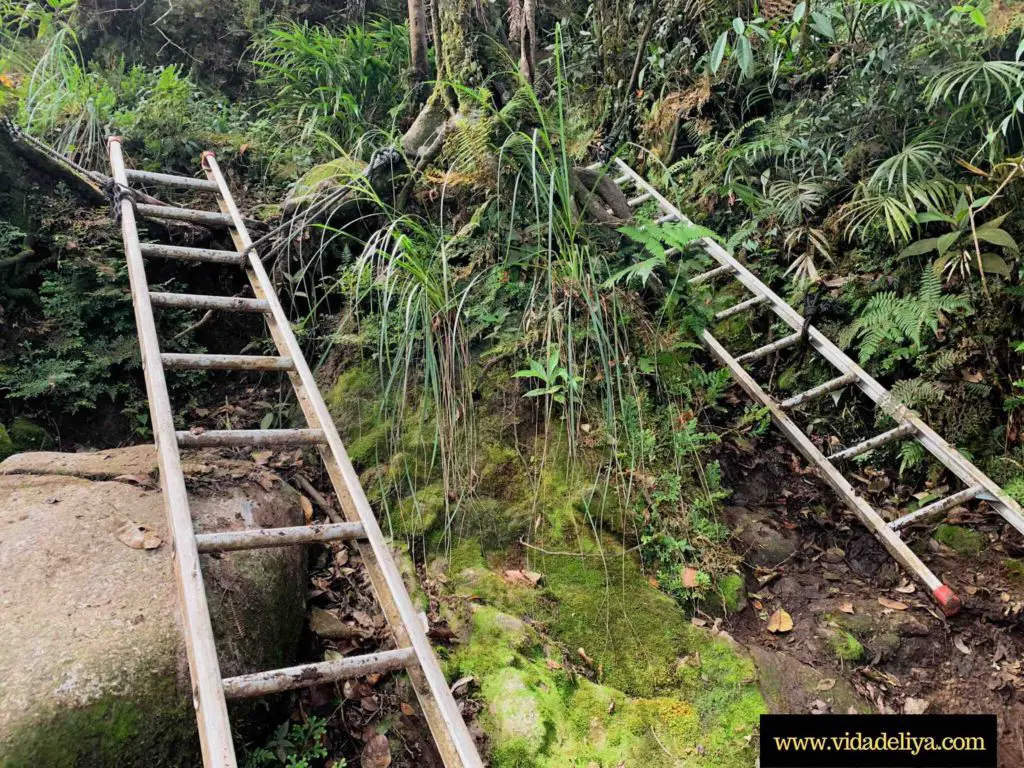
(623, 179)
(178, 362)
(197, 301)
(156, 250)
(306, 675)
(207, 218)
(822, 389)
(170, 180)
(741, 307)
(936, 507)
(710, 274)
(251, 438)
(263, 538)
(767, 349)
(639, 200)
(666, 218)
(874, 442)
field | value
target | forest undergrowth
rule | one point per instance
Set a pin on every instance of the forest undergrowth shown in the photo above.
(507, 343)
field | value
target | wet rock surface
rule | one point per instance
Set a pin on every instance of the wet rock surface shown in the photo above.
(92, 662)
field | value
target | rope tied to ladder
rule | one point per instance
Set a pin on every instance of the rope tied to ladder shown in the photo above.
(116, 194)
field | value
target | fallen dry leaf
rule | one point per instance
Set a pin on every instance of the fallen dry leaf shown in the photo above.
(906, 588)
(914, 706)
(961, 646)
(307, 509)
(826, 684)
(461, 685)
(846, 607)
(407, 710)
(780, 622)
(895, 605)
(138, 536)
(524, 578)
(583, 655)
(376, 753)
(689, 577)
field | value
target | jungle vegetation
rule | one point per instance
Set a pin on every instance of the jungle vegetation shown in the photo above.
(432, 159)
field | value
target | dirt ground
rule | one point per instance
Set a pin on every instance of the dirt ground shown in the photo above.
(835, 578)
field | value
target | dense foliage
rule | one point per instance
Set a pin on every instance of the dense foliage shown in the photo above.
(864, 149)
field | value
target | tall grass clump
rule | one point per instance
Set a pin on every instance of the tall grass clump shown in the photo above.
(339, 84)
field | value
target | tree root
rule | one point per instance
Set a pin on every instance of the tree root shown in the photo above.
(600, 197)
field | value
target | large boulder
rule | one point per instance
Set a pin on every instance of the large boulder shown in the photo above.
(92, 663)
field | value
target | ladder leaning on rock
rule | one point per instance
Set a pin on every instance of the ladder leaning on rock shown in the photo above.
(413, 652)
(977, 485)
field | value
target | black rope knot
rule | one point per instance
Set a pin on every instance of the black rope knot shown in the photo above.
(116, 194)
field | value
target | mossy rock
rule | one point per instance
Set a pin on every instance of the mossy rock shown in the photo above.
(960, 539)
(845, 646)
(417, 515)
(728, 595)
(92, 662)
(538, 715)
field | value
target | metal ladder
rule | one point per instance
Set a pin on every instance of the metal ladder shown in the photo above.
(908, 425)
(210, 691)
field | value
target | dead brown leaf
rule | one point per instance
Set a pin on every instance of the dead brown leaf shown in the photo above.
(846, 606)
(376, 753)
(689, 577)
(307, 509)
(138, 536)
(780, 622)
(894, 605)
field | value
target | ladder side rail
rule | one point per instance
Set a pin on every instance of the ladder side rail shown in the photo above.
(453, 740)
(207, 690)
(943, 595)
(951, 458)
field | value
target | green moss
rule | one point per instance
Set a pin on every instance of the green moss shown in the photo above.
(418, 514)
(1015, 568)
(371, 446)
(111, 731)
(845, 646)
(960, 539)
(29, 436)
(731, 592)
(6, 444)
(601, 602)
(353, 402)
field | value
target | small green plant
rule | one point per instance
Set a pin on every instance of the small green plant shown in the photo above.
(555, 378)
(294, 745)
(890, 322)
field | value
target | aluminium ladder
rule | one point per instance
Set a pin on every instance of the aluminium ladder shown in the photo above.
(908, 425)
(210, 692)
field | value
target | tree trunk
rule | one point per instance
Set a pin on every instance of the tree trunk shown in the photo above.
(528, 41)
(420, 68)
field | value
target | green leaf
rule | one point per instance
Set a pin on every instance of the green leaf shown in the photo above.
(997, 236)
(946, 241)
(738, 25)
(921, 246)
(822, 25)
(799, 11)
(745, 56)
(927, 217)
(995, 264)
(979, 18)
(718, 52)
